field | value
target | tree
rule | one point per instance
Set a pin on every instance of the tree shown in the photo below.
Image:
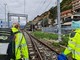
(44, 22)
(53, 14)
(65, 5)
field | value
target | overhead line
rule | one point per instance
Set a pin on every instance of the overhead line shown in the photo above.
(1, 5)
(4, 2)
(40, 5)
(47, 6)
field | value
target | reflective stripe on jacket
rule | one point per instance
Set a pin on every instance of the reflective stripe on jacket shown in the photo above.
(23, 48)
(74, 45)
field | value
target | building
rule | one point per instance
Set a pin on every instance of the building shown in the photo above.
(3, 24)
(76, 5)
(38, 20)
(66, 15)
(71, 14)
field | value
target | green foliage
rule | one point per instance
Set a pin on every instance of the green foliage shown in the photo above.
(55, 44)
(53, 12)
(48, 36)
(42, 35)
(65, 39)
(45, 22)
(65, 5)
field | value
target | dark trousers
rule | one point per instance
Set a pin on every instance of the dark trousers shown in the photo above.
(74, 59)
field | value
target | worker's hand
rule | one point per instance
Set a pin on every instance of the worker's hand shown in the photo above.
(62, 57)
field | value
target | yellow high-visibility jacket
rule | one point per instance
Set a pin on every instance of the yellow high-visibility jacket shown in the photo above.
(21, 48)
(74, 45)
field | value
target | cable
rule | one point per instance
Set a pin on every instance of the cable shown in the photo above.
(39, 6)
(2, 10)
(4, 1)
(1, 6)
(42, 5)
(47, 6)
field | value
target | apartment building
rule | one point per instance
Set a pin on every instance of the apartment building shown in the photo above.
(2, 24)
(76, 5)
(76, 9)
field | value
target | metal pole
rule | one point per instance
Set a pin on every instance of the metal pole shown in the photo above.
(59, 22)
(32, 26)
(8, 20)
(19, 20)
(5, 14)
(43, 25)
(24, 6)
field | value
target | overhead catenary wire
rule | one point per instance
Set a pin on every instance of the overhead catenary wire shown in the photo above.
(47, 6)
(4, 9)
(1, 5)
(39, 6)
(4, 2)
(43, 3)
(1, 9)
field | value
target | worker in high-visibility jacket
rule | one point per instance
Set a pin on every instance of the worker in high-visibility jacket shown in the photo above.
(21, 49)
(74, 42)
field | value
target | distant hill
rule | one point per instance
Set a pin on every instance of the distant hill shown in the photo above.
(65, 5)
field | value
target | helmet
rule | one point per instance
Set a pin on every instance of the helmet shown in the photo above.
(15, 27)
(75, 24)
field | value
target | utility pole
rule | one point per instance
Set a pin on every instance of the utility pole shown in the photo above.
(59, 22)
(24, 6)
(32, 26)
(43, 25)
(5, 13)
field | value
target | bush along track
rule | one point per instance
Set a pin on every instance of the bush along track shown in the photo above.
(52, 38)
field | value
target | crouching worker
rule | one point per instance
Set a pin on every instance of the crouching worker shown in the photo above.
(73, 43)
(19, 47)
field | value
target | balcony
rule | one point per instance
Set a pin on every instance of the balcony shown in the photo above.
(77, 7)
(75, 1)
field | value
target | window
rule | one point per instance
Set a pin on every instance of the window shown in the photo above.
(1, 21)
(1, 26)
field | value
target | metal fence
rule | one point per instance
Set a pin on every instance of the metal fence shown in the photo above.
(64, 30)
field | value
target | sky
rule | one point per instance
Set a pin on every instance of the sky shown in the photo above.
(32, 7)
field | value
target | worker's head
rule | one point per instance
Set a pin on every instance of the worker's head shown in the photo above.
(15, 27)
(75, 24)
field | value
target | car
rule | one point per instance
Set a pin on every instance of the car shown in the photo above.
(5, 38)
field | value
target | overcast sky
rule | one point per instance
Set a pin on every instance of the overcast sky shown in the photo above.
(32, 7)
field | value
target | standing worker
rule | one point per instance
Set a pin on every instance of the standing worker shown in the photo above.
(21, 49)
(73, 43)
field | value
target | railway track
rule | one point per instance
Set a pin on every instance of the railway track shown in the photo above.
(38, 50)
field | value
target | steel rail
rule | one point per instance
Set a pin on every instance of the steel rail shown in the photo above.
(44, 44)
(35, 47)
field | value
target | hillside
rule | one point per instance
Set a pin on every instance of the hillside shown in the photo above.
(65, 5)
